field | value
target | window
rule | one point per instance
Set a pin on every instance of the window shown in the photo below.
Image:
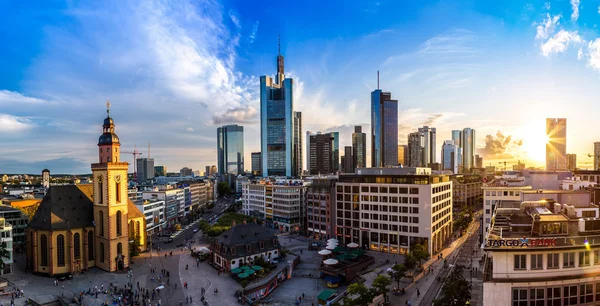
(101, 223)
(487, 211)
(519, 297)
(44, 247)
(487, 202)
(100, 193)
(60, 250)
(101, 252)
(569, 260)
(584, 258)
(536, 297)
(570, 295)
(119, 249)
(90, 242)
(553, 261)
(119, 221)
(553, 296)
(520, 262)
(596, 257)
(588, 214)
(77, 246)
(537, 262)
(118, 190)
(493, 193)
(487, 193)
(586, 293)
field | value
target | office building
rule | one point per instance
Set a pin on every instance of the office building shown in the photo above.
(466, 188)
(280, 126)
(320, 202)
(213, 170)
(282, 203)
(320, 153)
(556, 143)
(18, 220)
(145, 170)
(160, 170)
(207, 171)
(185, 171)
(572, 162)
(542, 252)
(505, 188)
(468, 149)
(6, 236)
(335, 159)
(154, 212)
(384, 129)
(450, 156)
(478, 161)
(256, 164)
(415, 150)
(457, 138)
(230, 149)
(411, 207)
(174, 203)
(348, 160)
(359, 147)
(596, 156)
(429, 144)
(402, 155)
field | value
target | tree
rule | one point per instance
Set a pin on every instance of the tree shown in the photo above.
(380, 284)
(244, 283)
(358, 295)
(456, 289)
(223, 189)
(4, 253)
(398, 272)
(134, 247)
(420, 253)
(410, 262)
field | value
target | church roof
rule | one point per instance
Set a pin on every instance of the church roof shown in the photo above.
(133, 211)
(64, 207)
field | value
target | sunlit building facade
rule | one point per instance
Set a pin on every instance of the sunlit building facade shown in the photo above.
(230, 149)
(384, 129)
(556, 143)
(429, 144)
(468, 148)
(359, 147)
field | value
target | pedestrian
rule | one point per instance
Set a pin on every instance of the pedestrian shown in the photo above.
(190, 299)
(180, 302)
(418, 292)
(187, 299)
(302, 294)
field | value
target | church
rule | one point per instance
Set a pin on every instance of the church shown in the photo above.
(77, 227)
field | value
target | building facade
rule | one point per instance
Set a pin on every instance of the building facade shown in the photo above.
(429, 141)
(185, 171)
(145, 170)
(174, 203)
(478, 161)
(348, 160)
(403, 155)
(320, 153)
(556, 144)
(572, 162)
(6, 238)
(359, 147)
(392, 209)
(596, 156)
(160, 171)
(230, 149)
(256, 164)
(320, 203)
(154, 213)
(416, 143)
(468, 149)
(450, 156)
(466, 189)
(384, 129)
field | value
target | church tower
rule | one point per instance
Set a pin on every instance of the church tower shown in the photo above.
(110, 201)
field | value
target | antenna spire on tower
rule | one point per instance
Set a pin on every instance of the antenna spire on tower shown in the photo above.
(279, 44)
(108, 107)
(377, 79)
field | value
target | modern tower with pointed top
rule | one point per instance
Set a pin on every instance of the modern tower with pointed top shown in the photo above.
(384, 128)
(280, 126)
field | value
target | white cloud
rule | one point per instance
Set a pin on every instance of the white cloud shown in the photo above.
(242, 114)
(254, 31)
(598, 9)
(559, 42)
(235, 19)
(546, 29)
(189, 129)
(575, 7)
(13, 123)
(594, 54)
(547, 5)
(580, 54)
(455, 42)
(7, 96)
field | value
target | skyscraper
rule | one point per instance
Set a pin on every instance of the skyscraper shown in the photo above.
(348, 161)
(468, 149)
(320, 153)
(457, 138)
(160, 171)
(256, 164)
(450, 156)
(556, 143)
(384, 129)
(415, 149)
(280, 127)
(145, 169)
(403, 155)
(596, 156)
(230, 149)
(571, 162)
(359, 148)
(478, 161)
(335, 158)
(429, 150)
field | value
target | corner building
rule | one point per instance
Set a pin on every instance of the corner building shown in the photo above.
(77, 227)
(392, 209)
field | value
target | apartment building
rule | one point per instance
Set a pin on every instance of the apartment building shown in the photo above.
(466, 189)
(542, 253)
(6, 237)
(281, 203)
(320, 205)
(174, 203)
(154, 212)
(392, 209)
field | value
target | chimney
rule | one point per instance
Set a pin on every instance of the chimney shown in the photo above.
(233, 224)
(244, 222)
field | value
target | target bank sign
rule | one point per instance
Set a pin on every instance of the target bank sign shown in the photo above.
(522, 242)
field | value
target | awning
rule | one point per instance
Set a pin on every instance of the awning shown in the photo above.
(326, 294)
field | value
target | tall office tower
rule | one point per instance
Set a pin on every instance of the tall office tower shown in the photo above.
(384, 129)
(308, 133)
(207, 171)
(297, 153)
(415, 149)
(478, 161)
(145, 169)
(571, 162)
(348, 161)
(596, 156)
(230, 149)
(457, 138)
(468, 149)
(403, 155)
(335, 153)
(277, 130)
(450, 156)
(556, 143)
(359, 147)
(160, 171)
(320, 148)
(429, 147)
(185, 171)
(256, 164)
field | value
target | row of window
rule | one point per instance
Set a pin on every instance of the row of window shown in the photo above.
(505, 193)
(377, 189)
(536, 261)
(556, 296)
(60, 248)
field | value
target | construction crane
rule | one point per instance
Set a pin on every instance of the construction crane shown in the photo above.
(135, 154)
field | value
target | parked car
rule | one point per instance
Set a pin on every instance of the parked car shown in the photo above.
(169, 241)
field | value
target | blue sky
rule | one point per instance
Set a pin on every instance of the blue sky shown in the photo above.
(176, 70)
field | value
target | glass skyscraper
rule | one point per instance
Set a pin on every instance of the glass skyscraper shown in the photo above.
(450, 156)
(468, 149)
(230, 149)
(359, 148)
(335, 153)
(280, 126)
(429, 151)
(384, 129)
(556, 143)
(416, 143)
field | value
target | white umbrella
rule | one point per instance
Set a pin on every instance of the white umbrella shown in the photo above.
(160, 287)
(331, 261)
(324, 252)
(332, 240)
(353, 245)
(330, 247)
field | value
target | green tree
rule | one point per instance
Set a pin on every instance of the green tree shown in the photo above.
(398, 272)
(244, 283)
(380, 284)
(358, 295)
(420, 254)
(410, 262)
(456, 289)
(134, 247)
(223, 189)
